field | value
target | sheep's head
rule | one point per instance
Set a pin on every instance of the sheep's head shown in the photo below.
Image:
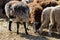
(35, 17)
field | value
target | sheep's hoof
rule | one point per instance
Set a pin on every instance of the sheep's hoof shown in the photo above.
(26, 33)
(27, 29)
(17, 32)
(35, 31)
(39, 32)
(50, 34)
(10, 30)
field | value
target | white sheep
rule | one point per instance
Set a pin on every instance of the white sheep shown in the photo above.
(45, 19)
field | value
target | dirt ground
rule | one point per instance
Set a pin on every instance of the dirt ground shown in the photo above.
(5, 34)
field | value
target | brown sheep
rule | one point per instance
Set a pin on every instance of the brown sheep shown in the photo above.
(35, 16)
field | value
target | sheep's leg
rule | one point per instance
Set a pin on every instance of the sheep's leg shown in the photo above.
(10, 22)
(40, 30)
(50, 27)
(34, 28)
(58, 28)
(52, 21)
(25, 28)
(17, 27)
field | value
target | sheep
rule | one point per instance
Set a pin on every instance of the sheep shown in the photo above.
(35, 15)
(45, 18)
(55, 18)
(18, 10)
(49, 18)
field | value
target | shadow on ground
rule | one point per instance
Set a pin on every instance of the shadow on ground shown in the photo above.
(32, 37)
(54, 35)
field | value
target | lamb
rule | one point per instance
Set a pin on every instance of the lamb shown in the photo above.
(45, 18)
(55, 18)
(35, 16)
(50, 17)
(18, 10)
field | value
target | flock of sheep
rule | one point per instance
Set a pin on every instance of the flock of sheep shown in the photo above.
(38, 14)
